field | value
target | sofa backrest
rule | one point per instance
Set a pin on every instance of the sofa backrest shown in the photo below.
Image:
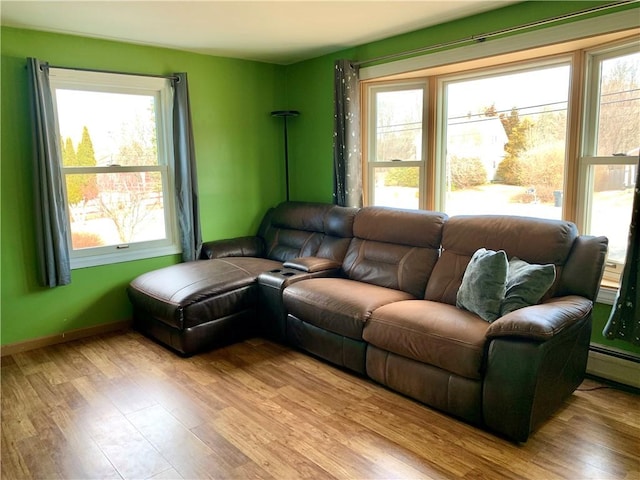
(394, 248)
(305, 229)
(533, 240)
(338, 232)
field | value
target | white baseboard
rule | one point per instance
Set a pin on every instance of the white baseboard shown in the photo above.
(613, 368)
(607, 295)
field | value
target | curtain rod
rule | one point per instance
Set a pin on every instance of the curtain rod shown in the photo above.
(169, 77)
(482, 37)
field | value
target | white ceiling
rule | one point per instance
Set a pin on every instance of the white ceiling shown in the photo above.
(281, 32)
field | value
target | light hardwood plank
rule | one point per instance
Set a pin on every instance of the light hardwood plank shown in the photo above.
(121, 406)
(177, 444)
(126, 448)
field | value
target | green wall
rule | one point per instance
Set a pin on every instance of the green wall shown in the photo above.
(310, 90)
(239, 159)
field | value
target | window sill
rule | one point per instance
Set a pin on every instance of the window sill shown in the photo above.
(123, 256)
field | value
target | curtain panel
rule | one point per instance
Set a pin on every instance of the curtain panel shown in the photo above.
(54, 268)
(624, 322)
(186, 181)
(51, 214)
(347, 155)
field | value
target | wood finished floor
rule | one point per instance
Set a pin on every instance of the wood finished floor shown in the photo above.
(120, 406)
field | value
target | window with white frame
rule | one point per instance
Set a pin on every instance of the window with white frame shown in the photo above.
(503, 140)
(610, 148)
(553, 133)
(395, 151)
(117, 153)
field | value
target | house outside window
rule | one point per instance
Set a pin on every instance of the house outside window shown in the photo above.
(503, 140)
(117, 153)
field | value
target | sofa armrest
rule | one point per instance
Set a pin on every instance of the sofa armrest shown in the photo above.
(312, 264)
(233, 247)
(544, 321)
(526, 381)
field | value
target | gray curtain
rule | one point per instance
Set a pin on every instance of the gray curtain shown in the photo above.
(185, 171)
(347, 155)
(624, 322)
(54, 268)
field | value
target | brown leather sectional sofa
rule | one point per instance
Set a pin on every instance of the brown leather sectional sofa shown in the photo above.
(374, 290)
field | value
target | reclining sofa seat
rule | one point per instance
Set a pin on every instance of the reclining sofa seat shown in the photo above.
(374, 290)
(388, 260)
(508, 375)
(214, 301)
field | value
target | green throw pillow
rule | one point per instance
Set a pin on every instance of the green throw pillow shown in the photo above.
(484, 283)
(526, 284)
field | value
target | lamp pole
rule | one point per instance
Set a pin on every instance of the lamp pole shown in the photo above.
(286, 114)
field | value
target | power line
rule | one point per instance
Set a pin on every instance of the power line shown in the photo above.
(497, 112)
(401, 127)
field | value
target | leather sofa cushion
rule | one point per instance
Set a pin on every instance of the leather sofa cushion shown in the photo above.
(171, 293)
(394, 248)
(338, 305)
(338, 221)
(293, 229)
(232, 247)
(534, 240)
(413, 228)
(390, 265)
(434, 333)
(303, 229)
(300, 216)
(311, 264)
(285, 244)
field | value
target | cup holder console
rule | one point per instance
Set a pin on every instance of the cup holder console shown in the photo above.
(284, 273)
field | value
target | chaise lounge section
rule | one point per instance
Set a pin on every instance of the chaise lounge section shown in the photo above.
(212, 302)
(378, 291)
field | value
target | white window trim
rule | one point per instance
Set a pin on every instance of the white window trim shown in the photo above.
(162, 90)
(588, 158)
(607, 295)
(547, 36)
(441, 121)
(592, 87)
(371, 163)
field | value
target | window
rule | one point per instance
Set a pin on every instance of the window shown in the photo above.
(552, 132)
(504, 141)
(396, 148)
(610, 149)
(117, 154)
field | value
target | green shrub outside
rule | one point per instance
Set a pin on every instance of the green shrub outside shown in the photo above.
(467, 172)
(540, 170)
(509, 172)
(402, 177)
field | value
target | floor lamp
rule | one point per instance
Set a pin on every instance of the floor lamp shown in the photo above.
(286, 114)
